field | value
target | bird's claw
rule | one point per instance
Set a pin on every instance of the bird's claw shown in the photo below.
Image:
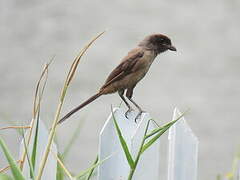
(139, 116)
(128, 112)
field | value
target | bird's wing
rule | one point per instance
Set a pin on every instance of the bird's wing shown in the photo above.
(125, 67)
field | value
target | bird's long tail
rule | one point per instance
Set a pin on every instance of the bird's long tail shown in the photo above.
(79, 107)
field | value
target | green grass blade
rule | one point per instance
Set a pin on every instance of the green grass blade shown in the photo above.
(159, 132)
(155, 131)
(60, 105)
(34, 150)
(150, 142)
(123, 143)
(91, 172)
(63, 168)
(87, 171)
(5, 177)
(219, 177)
(36, 105)
(14, 167)
(28, 159)
(132, 170)
(60, 171)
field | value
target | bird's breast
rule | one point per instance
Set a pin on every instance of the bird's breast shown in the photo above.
(146, 61)
(142, 67)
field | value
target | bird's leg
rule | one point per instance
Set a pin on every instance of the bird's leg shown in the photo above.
(128, 111)
(139, 108)
(129, 96)
(121, 92)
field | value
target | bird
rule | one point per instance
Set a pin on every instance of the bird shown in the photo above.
(130, 71)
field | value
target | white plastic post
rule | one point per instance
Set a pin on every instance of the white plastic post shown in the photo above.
(183, 151)
(116, 167)
(50, 169)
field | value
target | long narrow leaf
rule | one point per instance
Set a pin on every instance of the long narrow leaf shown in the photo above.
(159, 132)
(64, 169)
(36, 105)
(15, 127)
(132, 170)
(123, 143)
(7, 167)
(60, 171)
(91, 172)
(87, 171)
(219, 177)
(34, 150)
(14, 167)
(149, 143)
(5, 177)
(59, 108)
(37, 116)
(28, 159)
(155, 131)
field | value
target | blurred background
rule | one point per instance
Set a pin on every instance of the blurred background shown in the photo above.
(202, 75)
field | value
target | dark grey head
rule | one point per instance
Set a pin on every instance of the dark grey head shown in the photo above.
(158, 43)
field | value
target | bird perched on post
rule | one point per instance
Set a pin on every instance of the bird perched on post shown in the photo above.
(130, 71)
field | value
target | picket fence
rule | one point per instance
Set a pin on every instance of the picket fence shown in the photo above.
(182, 152)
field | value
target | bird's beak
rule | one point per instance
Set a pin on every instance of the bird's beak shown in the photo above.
(172, 48)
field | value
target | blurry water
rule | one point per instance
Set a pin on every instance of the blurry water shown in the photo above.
(203, 75)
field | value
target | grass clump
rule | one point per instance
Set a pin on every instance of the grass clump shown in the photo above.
(36, 174)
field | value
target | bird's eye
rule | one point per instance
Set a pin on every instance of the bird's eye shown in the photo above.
(161, 40)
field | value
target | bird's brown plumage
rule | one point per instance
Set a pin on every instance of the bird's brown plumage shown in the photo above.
(131, 70)
(128, 65)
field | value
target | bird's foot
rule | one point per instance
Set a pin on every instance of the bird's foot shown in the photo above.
(128, 112)
(139, 116)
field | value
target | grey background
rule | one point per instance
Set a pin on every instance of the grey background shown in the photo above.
(203, 75)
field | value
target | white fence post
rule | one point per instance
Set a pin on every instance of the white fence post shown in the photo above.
(50, 169)
(117, 168)
(183, 151)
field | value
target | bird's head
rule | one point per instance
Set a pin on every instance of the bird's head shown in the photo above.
(157, 42)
